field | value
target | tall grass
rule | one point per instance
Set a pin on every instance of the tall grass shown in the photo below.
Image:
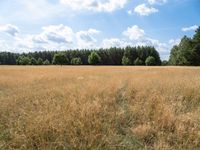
(99, 108)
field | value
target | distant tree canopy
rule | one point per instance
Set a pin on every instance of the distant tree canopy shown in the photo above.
(33, 61)
(40, 61)
(60, 59)
(94, 59)
(46, 62)
(76, 61)
(138, 62)
(23, 60)
(187, 52)
(139, 55)
(111, 56)
(150, 61)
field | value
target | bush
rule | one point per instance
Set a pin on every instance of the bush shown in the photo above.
(150, 61)
(40, 61)
(33, 61)
(46, 62)
(60, 59)
(165, 63)
(76, 61)
(138, 62)
(22, 60)
(126, 61)
(94, 59)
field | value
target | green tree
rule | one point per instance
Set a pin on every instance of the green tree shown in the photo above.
(23, 60)
(126, 61)
(94, 59)
(138, 62)
(40, 61)
(150, 61)
(173, 60)
(46, 62)
(182, 54)
(196, 55)
(76, 61)
(164, 63)
(60, 59)
(130, 55)
(196, 37)
(33, 61)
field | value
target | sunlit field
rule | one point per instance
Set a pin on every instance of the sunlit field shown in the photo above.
(54, 107)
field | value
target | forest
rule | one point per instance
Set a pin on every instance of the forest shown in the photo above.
(112, 56)
(187, 53)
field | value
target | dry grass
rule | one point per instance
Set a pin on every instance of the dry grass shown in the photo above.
(99, 108)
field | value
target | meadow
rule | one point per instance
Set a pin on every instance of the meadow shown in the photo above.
(88, 107)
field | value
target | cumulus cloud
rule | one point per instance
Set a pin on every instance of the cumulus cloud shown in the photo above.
(144, 10)
(173, 42)
(56, 34)
(134, 32)
(114, 42)
(191, 28)
(95, 5)
(9, 29)
(152, 2)
(57, 37)
(85, 39)
(3, 45)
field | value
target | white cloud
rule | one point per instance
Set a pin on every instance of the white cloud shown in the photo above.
(56, 37)
(152, 2)
(191, 28)
(161, 47)
(9, 29)
(114, 42)
(85, 39)
(130, 12)
(134, 33)
(3, 46)
(25, 43)
(56, 34)
(144, 10)
(95, 5)
(36, 10)
(173, 42)
(52, 37)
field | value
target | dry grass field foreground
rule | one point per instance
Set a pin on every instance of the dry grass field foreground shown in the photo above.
(47, 108)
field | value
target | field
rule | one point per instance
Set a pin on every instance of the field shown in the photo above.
(44, 108)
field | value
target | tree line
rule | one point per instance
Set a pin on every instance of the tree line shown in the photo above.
(187, 53)
(141, 55)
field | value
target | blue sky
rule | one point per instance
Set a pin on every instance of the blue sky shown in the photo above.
(69, 24)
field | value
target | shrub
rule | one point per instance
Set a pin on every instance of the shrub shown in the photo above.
(40, 61)
(164, 63)
(150, 61)
(94, 59)
(23, 60)
(46, 62)
(126, 61)
(76, 61)
(138, 62)
(60, 59)
(33, 61)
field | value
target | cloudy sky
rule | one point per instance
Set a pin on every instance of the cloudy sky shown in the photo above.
(27, 25)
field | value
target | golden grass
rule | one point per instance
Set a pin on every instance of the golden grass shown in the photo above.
(69, 107)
